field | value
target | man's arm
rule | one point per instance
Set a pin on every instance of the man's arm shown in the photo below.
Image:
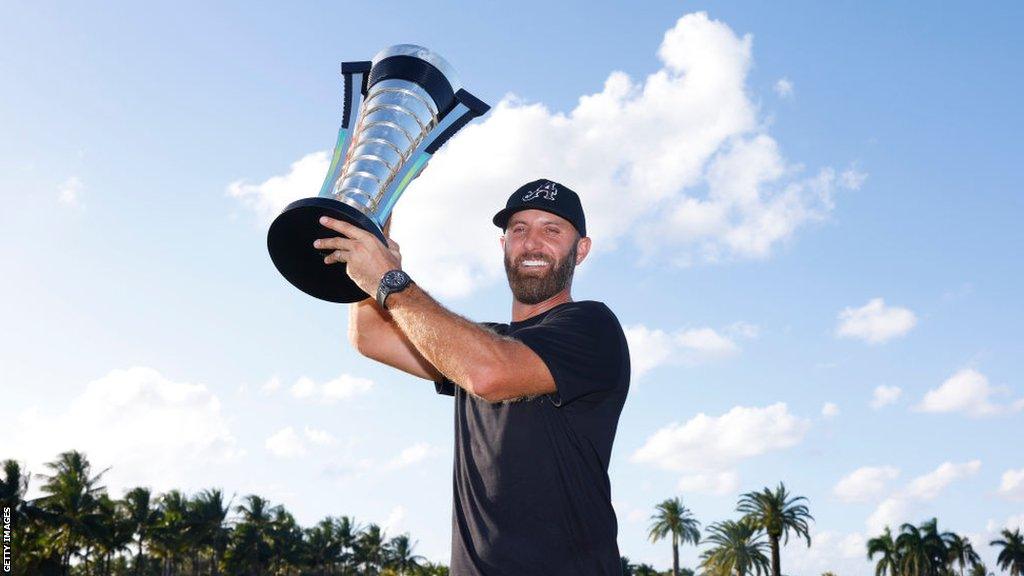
(484, 363)
(374, 334)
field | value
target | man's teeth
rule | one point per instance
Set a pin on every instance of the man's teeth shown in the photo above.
(534, 263)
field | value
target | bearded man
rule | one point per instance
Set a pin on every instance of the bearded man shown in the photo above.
(537, 400)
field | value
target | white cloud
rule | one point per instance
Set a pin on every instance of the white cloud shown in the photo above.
(830, 410)
(151, 430)
(414, 454)
(928, 486)
(831, 552)
(69, 192)
(303, 388)
(967, 391)
(269, 197)
(885, 395)
(285, 443)
(650, 348)
(706, 179)
(865, 483)
(318, 437)
(907, 504)
(715, 483)
(713, 445)
(1012, 484)
(875, 322)
(393, 523)
(271, 386)
(784, 88)
(343, 387)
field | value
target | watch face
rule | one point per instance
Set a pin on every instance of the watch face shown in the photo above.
(395, 278)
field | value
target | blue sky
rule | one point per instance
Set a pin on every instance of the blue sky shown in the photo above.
(761, 176)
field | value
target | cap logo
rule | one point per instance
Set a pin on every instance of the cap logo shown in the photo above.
(546, 191)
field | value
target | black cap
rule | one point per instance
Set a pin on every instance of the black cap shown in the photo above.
(548, 196)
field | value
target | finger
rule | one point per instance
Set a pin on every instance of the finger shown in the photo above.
(350, 230)
(387, 226)
(335, 243)
(392, 245)
(338, 256)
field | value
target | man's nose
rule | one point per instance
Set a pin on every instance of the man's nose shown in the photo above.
(532, 239)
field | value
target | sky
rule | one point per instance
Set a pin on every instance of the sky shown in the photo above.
(805, 215)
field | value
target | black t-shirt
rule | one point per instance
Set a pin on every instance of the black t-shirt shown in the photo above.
(532, 495)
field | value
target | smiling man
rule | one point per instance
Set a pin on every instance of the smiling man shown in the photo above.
(537, 400)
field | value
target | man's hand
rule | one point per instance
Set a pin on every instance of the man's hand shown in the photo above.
(367, 258)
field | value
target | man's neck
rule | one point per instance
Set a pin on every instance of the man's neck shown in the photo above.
(522, 311)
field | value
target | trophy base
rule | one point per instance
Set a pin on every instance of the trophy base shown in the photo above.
(290, 241)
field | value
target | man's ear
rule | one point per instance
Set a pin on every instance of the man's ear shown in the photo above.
(582, 249)
(502, 240)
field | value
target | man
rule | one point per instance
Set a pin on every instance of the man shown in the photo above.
(537, 400)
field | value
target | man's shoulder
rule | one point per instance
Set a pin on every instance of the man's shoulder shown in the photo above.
(592, 308)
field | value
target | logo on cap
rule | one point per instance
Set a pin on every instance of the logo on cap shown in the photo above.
(546, 191)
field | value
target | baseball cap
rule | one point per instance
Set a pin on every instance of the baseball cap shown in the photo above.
(548, 196)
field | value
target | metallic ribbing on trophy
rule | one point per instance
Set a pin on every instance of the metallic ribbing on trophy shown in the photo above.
(395, 117)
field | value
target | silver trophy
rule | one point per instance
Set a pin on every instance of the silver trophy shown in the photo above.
(408, 102)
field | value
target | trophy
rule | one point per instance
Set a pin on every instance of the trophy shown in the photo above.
(405, 104)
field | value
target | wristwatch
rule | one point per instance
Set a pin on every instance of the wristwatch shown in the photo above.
(392, 281)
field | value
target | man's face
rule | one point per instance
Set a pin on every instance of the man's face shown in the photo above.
(540, 255)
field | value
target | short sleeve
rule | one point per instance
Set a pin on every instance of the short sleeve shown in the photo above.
(584, 348)
(446, 387)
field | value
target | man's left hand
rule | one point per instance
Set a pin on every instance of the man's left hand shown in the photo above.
(367, 258)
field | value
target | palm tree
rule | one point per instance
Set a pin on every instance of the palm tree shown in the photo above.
(170, 538)
(889, 563)
(737, 550)
(70, 503)
(370, 550)
(209, 513)
(143, 517)
(111, 530)
(960, 551)
(777, 513)
(1011, 557)
(250, 549)
(672, 517)
(979, 569)
(400, 557)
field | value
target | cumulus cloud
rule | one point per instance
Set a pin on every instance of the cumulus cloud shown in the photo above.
(832, 552)
(650, 348)
(1012, 484)
(784, 88)
(830, 410)
(69, 193)
(682, 151)
(875, 322)
(714, 483)
(885, 395)
(287, 443)
(707, 448)
(150, 429)
(865, 483)
(411, 455)
(906, 504)
(343, 387)
(968, 391)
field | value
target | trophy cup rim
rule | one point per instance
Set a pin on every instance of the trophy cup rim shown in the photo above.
(427, 55)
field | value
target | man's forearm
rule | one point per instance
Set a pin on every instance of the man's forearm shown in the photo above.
(463, 351)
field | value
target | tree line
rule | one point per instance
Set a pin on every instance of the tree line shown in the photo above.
(751, 545)
(77, 529)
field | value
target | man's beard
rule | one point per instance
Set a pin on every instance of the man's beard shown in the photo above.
(532, 289)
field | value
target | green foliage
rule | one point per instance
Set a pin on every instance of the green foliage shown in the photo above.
(777, 513)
